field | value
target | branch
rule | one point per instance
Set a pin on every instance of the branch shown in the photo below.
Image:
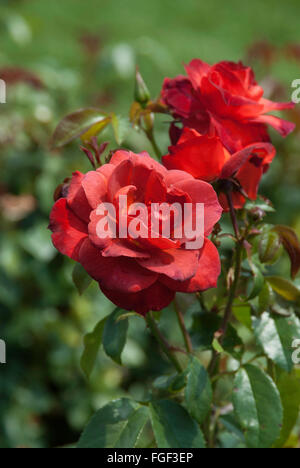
(162, 341)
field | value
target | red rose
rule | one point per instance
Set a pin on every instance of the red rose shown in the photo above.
(138, 274)
(205, 157)
(224, 100)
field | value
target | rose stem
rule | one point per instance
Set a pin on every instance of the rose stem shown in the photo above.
(162, 341)
(185, 334)
(233, 289)
(151, 138)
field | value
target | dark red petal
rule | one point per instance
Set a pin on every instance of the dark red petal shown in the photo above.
(280, 125)
(124, 248)
(202, 192)
(249, 177)
(206, 276)
(178, 264)
(161, 243)
(237, 135)
(76, 198)
(156, 297)
(68, 230)
(196, 70)
(237, 198)
(120, 274)
(155, 189)
(177, 94)
(201, 156)
(270, 106)
(262, 150)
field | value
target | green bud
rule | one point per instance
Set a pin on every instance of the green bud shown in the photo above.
(269, 248)
(141, 92)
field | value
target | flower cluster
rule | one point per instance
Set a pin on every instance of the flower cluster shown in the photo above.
(220, 148)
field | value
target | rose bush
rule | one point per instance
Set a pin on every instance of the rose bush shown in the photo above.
(136, 274)
(224, 100)
(224, 146)
(205, 157)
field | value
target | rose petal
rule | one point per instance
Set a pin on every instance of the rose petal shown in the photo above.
(95, 187)
(280, 125)
(76, 198)
(196, 69)
(178, 264)
(201, 156)
(106, 170)
(202, 192)
(68, 230)
(174, 176)
(206, 276)
(178, 95)
(126, 248)
(262, 150)
(156, 297)
(120, 274)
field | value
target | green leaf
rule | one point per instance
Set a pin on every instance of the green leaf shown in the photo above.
(92, 343)
(120, 128)
(217, 346)
(242, 312)
(173, 383)
(275, 335)
(257, 407)
(80, 278)
(77, 124)
(173, 427)
(114, 335)
(258, 281)
(261, 204)
(198, 391)
(291, 244)
(203, 333)
(127, 315)
(289, 389)
(233, 437)
(116, 425)
(284, 288)
(266, 298)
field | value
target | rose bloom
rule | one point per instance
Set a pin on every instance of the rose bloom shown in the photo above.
(139, 274)
(224, 100)
(205, 157)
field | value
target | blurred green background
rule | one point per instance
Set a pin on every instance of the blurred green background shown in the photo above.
(80, 53)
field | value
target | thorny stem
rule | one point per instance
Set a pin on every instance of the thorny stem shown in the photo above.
(200, 298)
(228, 310)
(233, 289)
(233, 215)
(185, 334)
(162, 341)
(151, 138)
